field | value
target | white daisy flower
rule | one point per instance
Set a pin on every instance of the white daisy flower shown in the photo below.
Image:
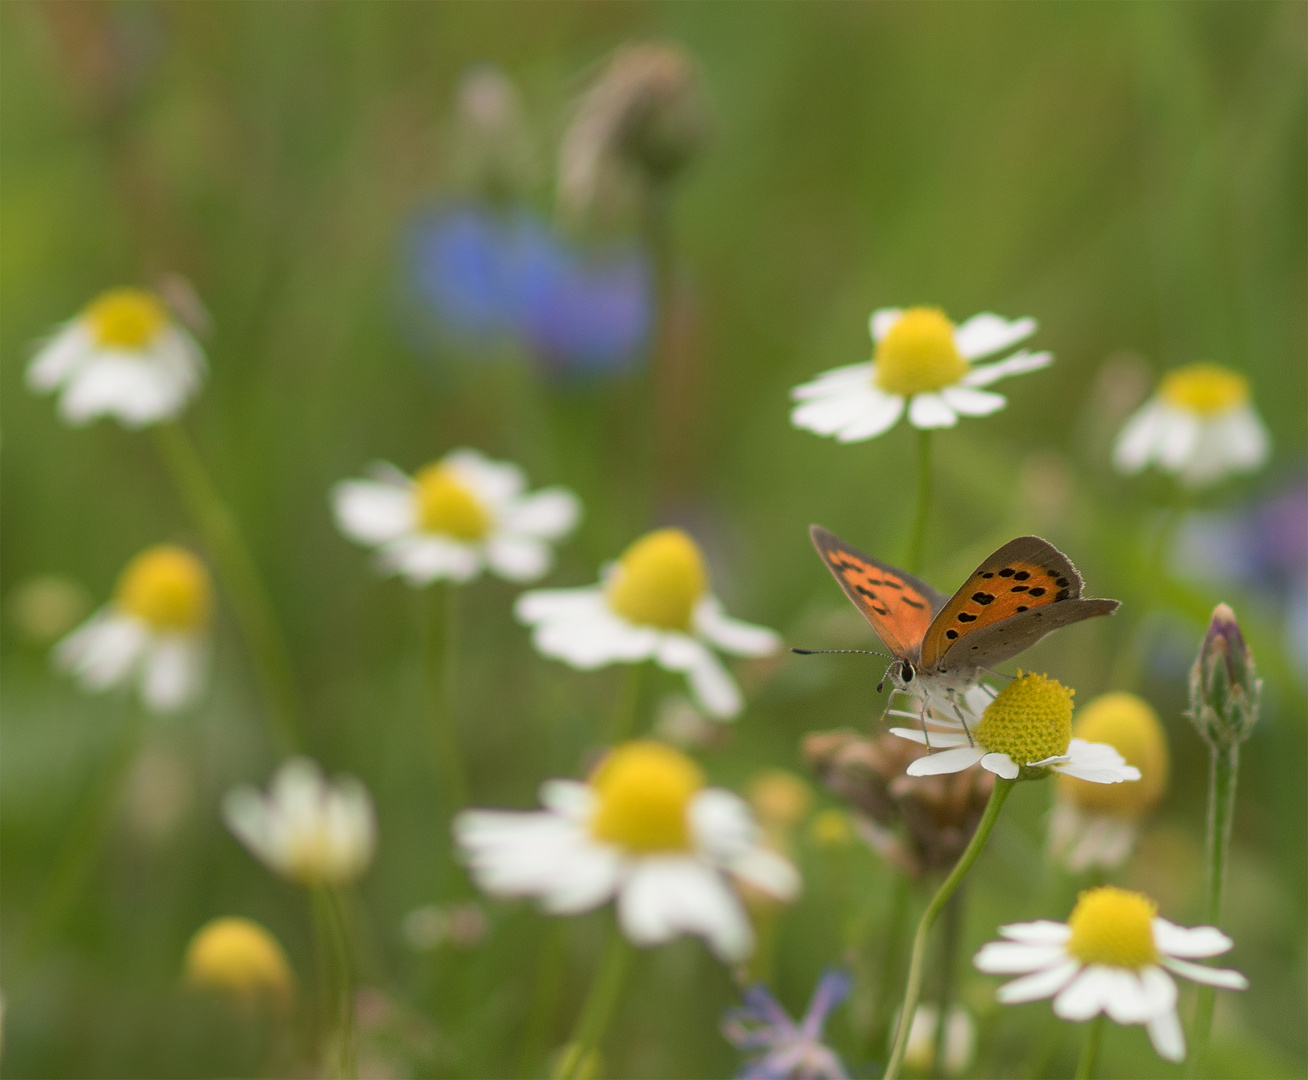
(644, 831)
(1112, 956)
(922, 360)
(454, 518)
(154, 632)
(1096, 824)
(1027, 726)
(306, 829)
(652, 604)
(1200, 426)
(123, 356)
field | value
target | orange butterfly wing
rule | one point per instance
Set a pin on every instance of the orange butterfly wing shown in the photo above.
(1013, 586)
(898, 605)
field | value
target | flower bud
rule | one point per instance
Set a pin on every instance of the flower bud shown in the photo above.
(1224, 687)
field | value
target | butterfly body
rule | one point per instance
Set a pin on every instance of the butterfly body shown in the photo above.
(941, 644)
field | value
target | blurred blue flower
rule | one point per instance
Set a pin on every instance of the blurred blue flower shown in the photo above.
(488, 279)
(791, 1051)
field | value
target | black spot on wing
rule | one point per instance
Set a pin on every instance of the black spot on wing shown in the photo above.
(1021, 575)
(1062, 594)
(983, 598)
(963, 616)
(1037, 591)
(951, 634)
(1007, 571)
(1022, 607)
(911, 602)
(1018, 588)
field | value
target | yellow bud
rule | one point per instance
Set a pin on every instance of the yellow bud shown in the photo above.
(1114, 927)
(167, 588)
(239, 957)
(1127, 724)
(918, 354)
(659, 580)
(644, 791)
(125, 318)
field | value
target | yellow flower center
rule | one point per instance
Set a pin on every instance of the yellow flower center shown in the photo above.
(1131, 727)
(831, 828)
(918, 354)
(644, 791)
(1204, 388)
(237, 956)
(659, 580)
(167, 588)
(1029, 720)
(125, 318)
(445, 505)
(1113, 926)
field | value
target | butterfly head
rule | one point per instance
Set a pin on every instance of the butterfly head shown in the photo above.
(901, 673)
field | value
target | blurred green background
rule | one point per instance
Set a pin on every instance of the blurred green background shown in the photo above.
(1133, 175)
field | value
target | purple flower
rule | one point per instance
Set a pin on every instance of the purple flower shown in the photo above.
(791, 1051)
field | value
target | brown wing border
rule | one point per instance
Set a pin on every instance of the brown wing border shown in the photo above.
(1054, 616)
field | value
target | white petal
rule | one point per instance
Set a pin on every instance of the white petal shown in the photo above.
(1087, 995)
(710, 683)
(547, 514)
(946, 761)
(518, 558)
(967, 401)
(104, 650)
(1017, 364)
(1099, 763)
(1166, 1035)
(1127, 1003)
(493, 482)
(370, 512)
(722, 824)
(938, 739)
(347, 818)
(768, 871)
(1040, 932)
(1012, 958)
(1226, 978)
(1246, 438)
(569, 798)
(1135, 443)
(666, 896)
(833, 382)
(881, 320)
(1178, 438)
(173, 672)
(531, 854)
(851, 408)
(246, 815)
(733, 635)
(422, 558)
(927, 411)
(594, 639)
(987, 333)
(1159, 990)
(1198, 941)
(1042, 984)
(1001, 765)
(62, 355)
(880, 412)
(133, 390)
(541, 604)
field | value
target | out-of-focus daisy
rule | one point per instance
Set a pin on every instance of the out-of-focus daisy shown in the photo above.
(1025, 729)
(123, 356)
(922, 361)
(239, 957)
(306, 829)
(1097, 824)
(1113, 955)
(652, 604)
(960, 1041)
(1200, 426)
(154, 631)
(644, 830)
(791, 1051)
(455, 518)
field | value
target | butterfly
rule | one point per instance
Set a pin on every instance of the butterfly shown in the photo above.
(940, 645)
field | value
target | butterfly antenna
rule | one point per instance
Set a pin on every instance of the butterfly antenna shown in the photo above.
(819, 652)
(998, 674)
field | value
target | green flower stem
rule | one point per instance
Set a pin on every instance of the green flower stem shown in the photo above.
(1085, 1068)
(334, 948)
(1224, 765)
(917, 538)
(440, 661)
(628, 707)
(913, 990)
(249, 599)
(575, 1059)
(949, 945)
(551, 966)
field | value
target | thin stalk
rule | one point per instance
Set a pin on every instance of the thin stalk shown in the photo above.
(236, 567)
(550, 969)
(892, 955)
(628, 707)
(917, 538)
(1224, 764)
(335, 952)
(1085, 1068)
(598, 1010)
(949, 944)
(913, 989)
(439, 662)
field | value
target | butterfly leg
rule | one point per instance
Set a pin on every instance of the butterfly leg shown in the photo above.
(953, 700)
(922, 717)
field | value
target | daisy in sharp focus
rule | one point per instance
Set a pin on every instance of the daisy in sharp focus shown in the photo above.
(123, 356)
(645, 831)
(654, 604)
(1025, 729)
(307, 829)
(1113, 955)
(922, 361)
(155, 631)
(454, 518)
(791, 1051)
(1200, 426)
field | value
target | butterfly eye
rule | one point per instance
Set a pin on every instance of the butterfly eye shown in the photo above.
(906, 672)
